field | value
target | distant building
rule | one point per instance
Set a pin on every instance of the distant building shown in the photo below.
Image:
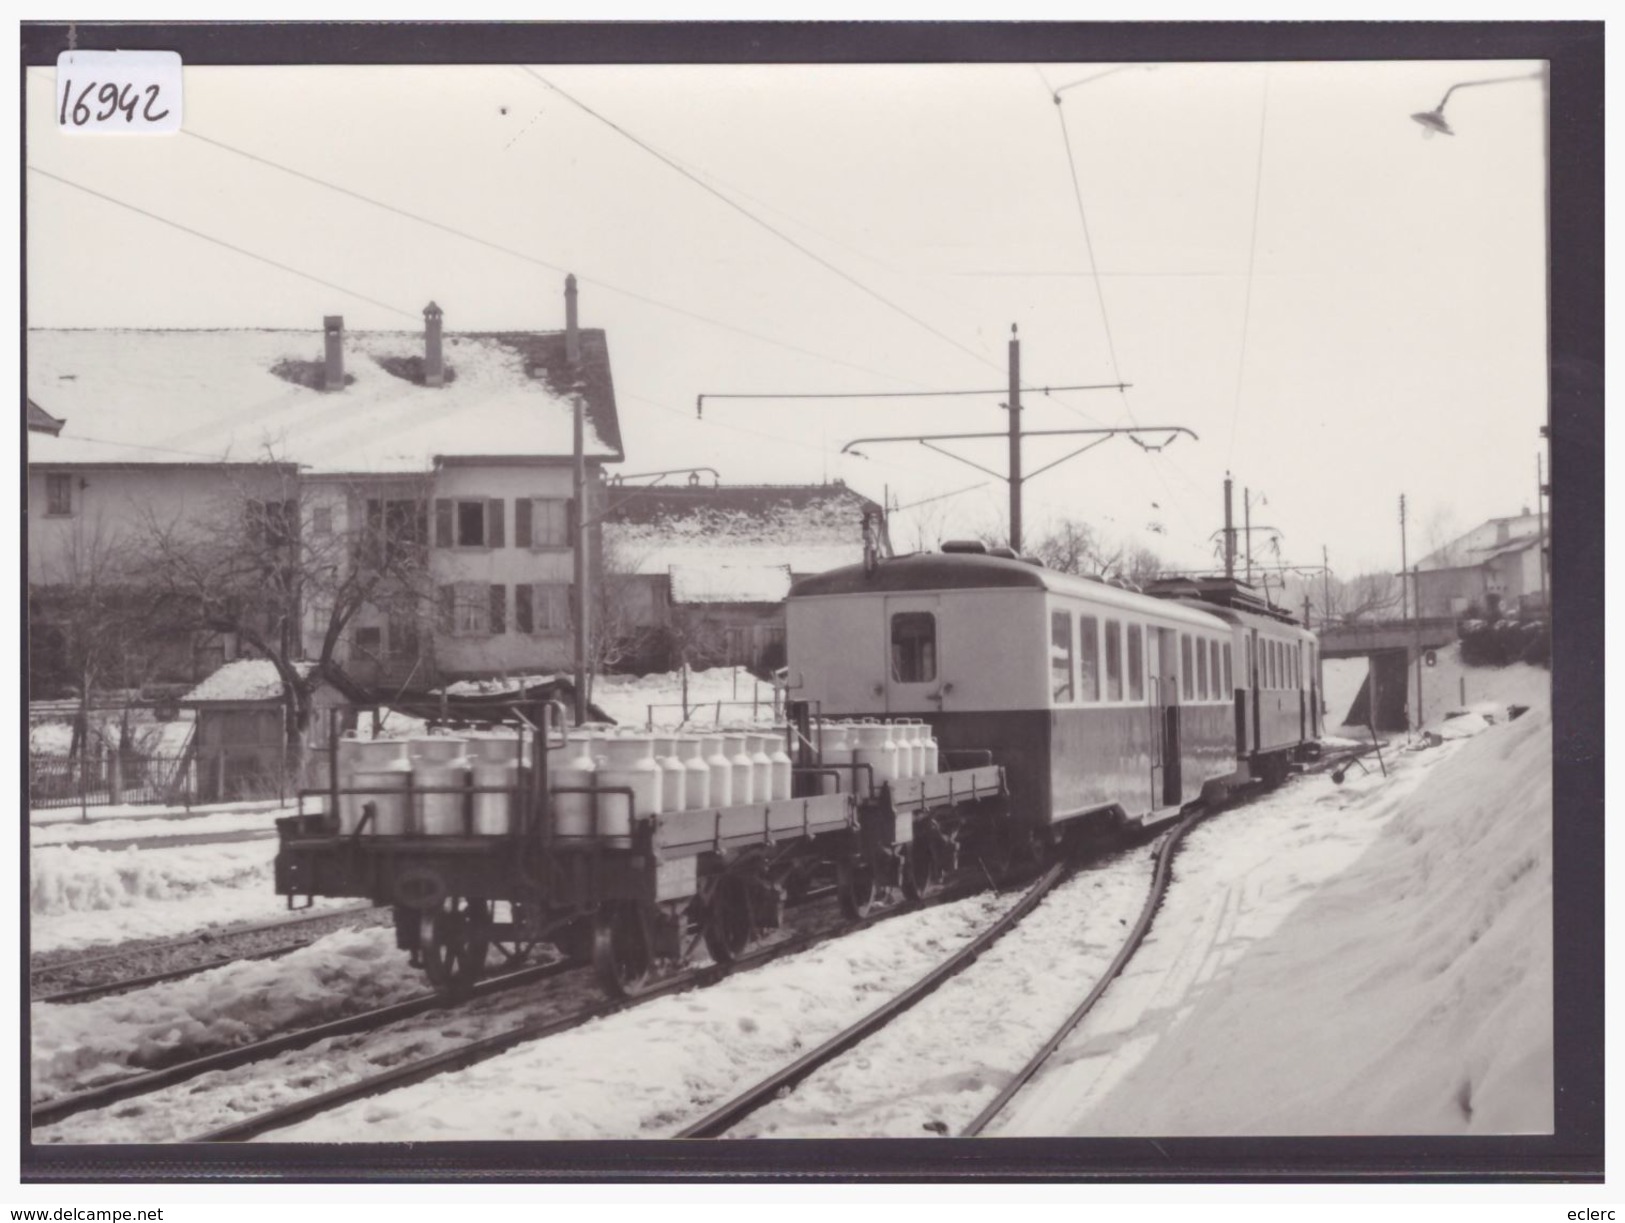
(456, 444)
(704, 569)
(1493, 570)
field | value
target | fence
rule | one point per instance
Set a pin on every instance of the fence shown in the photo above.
(186, 780)
(711, 712)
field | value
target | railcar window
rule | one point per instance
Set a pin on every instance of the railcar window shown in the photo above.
(1186, 669)
(1229, 688)
(1088, 658)
(1247, 661)
(913, 647)
(1275, 664)
(1269, 663)
(1136, 664)
(1060, 656)
(1201, 669)
(1114, 660)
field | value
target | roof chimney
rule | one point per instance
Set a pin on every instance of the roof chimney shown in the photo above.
(572, 333)
(333, 371)
(434, 362)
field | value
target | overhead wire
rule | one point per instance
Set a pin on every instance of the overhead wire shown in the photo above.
(1252, 253)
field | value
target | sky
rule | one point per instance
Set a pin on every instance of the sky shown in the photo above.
(1340, 306)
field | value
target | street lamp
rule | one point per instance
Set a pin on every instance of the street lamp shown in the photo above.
(1433, 120)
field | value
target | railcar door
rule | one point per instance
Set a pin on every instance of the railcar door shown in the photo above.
(915, 682)
(1162, 657)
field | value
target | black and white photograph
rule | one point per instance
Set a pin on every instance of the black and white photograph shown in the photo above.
(872, 593)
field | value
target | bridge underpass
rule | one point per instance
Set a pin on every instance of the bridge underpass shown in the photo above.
(1391, 648)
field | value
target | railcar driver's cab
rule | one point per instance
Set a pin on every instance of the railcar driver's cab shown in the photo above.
(915, 682)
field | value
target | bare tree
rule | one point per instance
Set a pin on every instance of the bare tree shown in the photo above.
(1071, 546)
(271, 552)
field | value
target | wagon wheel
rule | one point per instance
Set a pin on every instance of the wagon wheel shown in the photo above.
(514, 951)
(453, 940)
(729, 921)
(621, 952)
(922, 871)
(857, 883)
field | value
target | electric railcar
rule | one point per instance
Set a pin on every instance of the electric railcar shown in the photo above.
(1056, 706)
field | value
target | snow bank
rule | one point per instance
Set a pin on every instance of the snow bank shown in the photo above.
(81, 832)
(81, 896)
(79, 1045)
(1411, 994)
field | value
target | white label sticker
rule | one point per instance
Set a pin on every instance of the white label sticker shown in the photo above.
(119, 92)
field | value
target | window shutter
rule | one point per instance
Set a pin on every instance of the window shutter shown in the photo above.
(570, 523)
(448, 609)
(521, 523)
(442, 523)
(494, 516)
(499, 609)
(523, 620)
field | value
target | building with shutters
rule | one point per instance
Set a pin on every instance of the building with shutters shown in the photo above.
(456, 447)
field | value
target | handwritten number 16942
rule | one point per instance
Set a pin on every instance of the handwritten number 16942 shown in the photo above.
(112, 99)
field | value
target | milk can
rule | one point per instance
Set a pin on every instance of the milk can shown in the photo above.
(932, 755)
(874, 748)
(572, 813)
(916, 747)
(629, 762)
(696, 773)
(779, 756)
(735, 748)
(714, 751)
(761, 767)
(672, 772)
(439, 762)
(382, 765)
(902, 737)
(495, 763)
(835, 750)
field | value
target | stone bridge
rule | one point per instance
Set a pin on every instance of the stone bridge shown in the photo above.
(1391, 646)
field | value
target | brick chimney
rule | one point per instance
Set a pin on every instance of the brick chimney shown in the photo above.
(434, 361)
(333, 371)
(572, 333)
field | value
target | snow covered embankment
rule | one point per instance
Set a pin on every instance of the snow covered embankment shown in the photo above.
(80, 1045)
(1412, 993)
(81, 896)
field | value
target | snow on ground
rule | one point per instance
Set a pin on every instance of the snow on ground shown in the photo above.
(81, 896)
(649, 1071)
(900, 1084)
(128, 829)
(1342, 678)
(79, 1045)
(1409, 993)
(148, 811)
(627, 698)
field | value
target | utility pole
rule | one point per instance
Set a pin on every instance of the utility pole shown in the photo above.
(1015, 441)
(1404, 568)
(1540, 509)
(1229, 533)
(1417, 647)
(1247, 514)
(1325, 585)
(579, 486)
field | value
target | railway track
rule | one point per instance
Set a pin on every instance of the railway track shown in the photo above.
(727, 1115)
(1159, 887)
(85, 977)
(51, 1111)
(480, 1050)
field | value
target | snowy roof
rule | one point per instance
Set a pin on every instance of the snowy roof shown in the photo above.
(807, 528)
(207, 396)
(1489, 539)
(730, 583)
(247, 679)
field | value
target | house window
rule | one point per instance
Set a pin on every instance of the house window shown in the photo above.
(1114, 660)
(541, 607)
(914, 647)
(321, 520)
(1088, 658)
(1136, 664)
(369, 641)
(399, 527)
(469, 524)
(1060, 656)
(541, 522)
(58, 495)
(403, 634)
(273, 524)
(472, 609)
